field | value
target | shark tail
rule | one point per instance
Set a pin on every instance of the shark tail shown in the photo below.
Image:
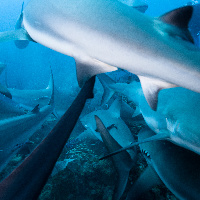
(160, 136)
(123, 163)
(21, 44)
(51, 85)
(108, 92)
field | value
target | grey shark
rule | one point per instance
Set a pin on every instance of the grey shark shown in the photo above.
(122, 162)
(15, 131)
(3, 89)
(31, 98)
(27, 180)
(105, 35)
(169, 122)
(178, 168)
(111, 119)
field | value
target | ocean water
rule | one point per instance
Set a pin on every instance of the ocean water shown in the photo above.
(80, 175)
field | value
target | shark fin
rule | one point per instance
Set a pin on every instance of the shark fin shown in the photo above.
(122, 163)
(19, 34)
(21, 44)
(116, 107)
(179, 17)
(108, 92)
(136, 4)
(51, 85)
(151, 88)
(36, 109)
(126, 110)
(51, 82)
(85, 71)
(160, 136)
(2, 67)
(147, 180)
(5, 91)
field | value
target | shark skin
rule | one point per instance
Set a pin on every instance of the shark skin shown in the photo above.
(27, 180)
(21, 44)
(134, 93)
(169, 122)
(9, 108)
(3, 89)
(119, 37)
(111, 119)
(136, 4)
(146, 181)
(178, 168)
(15, 131)
(31, 98)
(122, 162)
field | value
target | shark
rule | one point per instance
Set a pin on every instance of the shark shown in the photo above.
(16, 130)
(176, 167)
(3, 89)
(9, 108)
(31, 98)
(106, 35)
(122, 162)
(33, 172)
(134, 93)
(136, 4)
(111, 119)
(169, 122)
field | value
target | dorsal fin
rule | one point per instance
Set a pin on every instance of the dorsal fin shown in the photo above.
(179, 17)
(151, 88)
(116, 107)
(36, 109)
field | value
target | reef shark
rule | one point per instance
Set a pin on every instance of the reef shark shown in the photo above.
(122, 162)
(3, 89)
(15, 131)
(27, 180)
(169, 122)
(111, 119)
(31, 98)
(105, 35)
(177, 167)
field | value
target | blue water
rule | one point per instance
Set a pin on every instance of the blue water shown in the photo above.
(30, 68)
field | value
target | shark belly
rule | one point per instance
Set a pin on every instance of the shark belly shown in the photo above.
(116, 35)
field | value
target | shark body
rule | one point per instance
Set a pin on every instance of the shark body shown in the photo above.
(177, 167)
(16, 130)
(122, 162)
(111, 119)
(31, 98)
(177, 115)
(27, 180)
(105, 35)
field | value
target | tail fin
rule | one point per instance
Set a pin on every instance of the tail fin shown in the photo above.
(51, 102)
(108, 92)
(21, 44)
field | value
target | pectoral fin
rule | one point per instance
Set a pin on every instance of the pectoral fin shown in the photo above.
(19, 34)
(160, 136)
(151, 88)
(87, 69)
